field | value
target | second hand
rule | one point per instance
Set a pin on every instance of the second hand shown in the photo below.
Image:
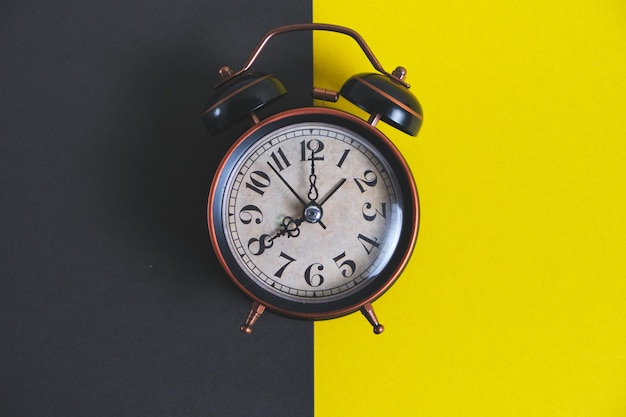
(300, 199)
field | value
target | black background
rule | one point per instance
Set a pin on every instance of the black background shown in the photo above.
(111, 299)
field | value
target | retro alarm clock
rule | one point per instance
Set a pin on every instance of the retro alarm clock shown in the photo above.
(313, 212)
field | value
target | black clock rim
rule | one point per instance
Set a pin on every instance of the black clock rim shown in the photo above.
(381, 282)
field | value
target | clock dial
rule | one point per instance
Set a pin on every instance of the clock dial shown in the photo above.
(311, 212)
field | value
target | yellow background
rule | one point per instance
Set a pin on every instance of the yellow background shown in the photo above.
(514, 303)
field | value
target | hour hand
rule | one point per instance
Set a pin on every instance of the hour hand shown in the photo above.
(290, 227)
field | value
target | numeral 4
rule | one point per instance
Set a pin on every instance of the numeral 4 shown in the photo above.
(368, 243)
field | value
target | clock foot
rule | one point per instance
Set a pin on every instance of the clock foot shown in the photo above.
(255, 312)
(368, 311)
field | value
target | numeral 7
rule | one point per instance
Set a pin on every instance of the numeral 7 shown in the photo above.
(279, 273)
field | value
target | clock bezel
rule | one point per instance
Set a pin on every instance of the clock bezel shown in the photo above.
(381, 282)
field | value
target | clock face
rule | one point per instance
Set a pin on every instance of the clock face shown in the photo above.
(310, 215)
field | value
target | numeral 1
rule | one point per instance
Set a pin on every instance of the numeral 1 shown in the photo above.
(343, 158)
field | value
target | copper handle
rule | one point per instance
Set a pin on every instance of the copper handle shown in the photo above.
(317, 26)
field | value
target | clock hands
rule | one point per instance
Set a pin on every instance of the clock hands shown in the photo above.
(313, 212)
(290, 227)
(312, 208)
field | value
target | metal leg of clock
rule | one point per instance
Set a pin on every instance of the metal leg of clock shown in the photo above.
(255, 312)
(368, 311)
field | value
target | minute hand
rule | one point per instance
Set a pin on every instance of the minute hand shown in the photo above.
(333, 191)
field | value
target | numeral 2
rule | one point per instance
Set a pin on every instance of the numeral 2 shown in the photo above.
(369, 179)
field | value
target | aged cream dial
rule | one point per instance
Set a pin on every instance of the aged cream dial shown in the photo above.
(313, 211)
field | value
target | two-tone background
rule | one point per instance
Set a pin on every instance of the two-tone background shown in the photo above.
(112, 303)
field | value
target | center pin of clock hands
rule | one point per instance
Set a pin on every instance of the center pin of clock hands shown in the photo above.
(312, 214)
(290, 227)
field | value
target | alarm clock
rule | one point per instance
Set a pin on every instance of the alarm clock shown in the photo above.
(313, 213)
